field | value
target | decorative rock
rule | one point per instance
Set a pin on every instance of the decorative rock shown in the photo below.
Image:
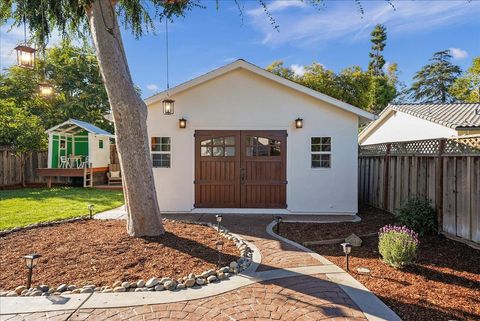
(224, 269)
(363, 270)
(189, 282)
(117, 284)
(109, 290)
(70, 292)
(133, 285)
(119, 289)
(354, 240)
(159, 287)
(86, 290)
(43, 288)
(71, 287)
(169, 285)
(20, 289)
(163, 280)
(12, 293)
(191, 276)
(151, 283)
(89, 286)
(140, 283)
(211, 279)
(57, 293)
(51, 290)
(205, 275)
(24, 292)
(36, 293)
(221, 275)
(180, 286)
(234, 265)
(126, 285)
(138, 290)
(200, 281)
(45, 294)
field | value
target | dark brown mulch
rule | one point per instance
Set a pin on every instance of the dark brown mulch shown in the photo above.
(372, 220)
(444, 284)
(101, 252)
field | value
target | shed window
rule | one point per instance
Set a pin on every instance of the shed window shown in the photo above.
(161, 152)
(321, 152)
(100, 144)
(218, 147)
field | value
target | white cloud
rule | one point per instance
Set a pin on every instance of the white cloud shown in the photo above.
(152, 87)
(277, 6)
(308, 26)
(299, 70)
(458, 53)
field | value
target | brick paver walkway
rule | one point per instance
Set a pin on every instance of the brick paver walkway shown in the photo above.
(294, 298)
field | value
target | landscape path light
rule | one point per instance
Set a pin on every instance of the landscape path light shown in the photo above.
(219, 220)
(219, 247)
(278, 219)
(347, 248)
(91, 209)
(31, 260)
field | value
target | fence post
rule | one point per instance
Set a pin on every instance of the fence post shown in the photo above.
(386, 176)
(439, 183)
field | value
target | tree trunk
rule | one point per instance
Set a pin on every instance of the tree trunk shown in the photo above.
(130, 121)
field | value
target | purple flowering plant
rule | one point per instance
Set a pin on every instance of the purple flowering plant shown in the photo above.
(400, 229)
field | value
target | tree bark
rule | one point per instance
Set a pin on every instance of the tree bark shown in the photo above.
(130, 121)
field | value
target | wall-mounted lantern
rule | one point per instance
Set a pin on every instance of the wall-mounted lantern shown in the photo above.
(182, 123)
(168, 106)
(25, 56)
(299, 123)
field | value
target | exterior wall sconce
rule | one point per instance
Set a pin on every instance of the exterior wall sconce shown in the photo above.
(25, 56)
(182, 123)
(299, 123)
(168, 106)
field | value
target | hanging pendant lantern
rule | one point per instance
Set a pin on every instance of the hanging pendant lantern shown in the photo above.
(45, 89)
(168, 106)
(25, 56)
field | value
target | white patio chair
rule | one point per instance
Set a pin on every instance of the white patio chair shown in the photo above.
(64, 162)
(84, 163)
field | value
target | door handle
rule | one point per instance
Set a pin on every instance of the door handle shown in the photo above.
(242, 175)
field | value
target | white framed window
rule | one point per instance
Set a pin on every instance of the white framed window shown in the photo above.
(161, 152)
(321, 152)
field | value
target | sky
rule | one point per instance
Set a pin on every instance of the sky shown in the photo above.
(335, 34)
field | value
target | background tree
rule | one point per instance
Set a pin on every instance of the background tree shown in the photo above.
(279, 69)
(21, 131)
(98, 19)
(432, 83)
(79, 90)
(379, 41)
(467, 87)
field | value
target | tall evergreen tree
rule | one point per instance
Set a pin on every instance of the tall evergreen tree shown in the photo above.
(432, 82)
(379, 41)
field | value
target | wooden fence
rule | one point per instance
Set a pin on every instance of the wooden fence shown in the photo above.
(446, 171)
(10, 168)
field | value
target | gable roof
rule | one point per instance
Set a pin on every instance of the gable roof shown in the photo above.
(242, 64)
(456, 116)
(71, 127)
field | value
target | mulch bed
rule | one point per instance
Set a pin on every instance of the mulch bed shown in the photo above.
(372, 220)
(101, 252)
(444, 284)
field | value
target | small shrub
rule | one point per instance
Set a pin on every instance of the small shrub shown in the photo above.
(418, 214)
(397, 245)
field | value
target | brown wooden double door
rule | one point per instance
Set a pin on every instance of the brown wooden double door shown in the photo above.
(244, 168)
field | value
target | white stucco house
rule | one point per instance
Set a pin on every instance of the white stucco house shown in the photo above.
(243, 139)
(422, 121)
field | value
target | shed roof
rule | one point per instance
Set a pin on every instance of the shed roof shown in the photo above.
(242, 64)
(72, 126)
(457, 116)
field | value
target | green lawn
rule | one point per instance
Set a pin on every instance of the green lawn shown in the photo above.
(22, 207)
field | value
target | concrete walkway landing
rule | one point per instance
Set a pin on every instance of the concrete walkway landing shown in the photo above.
(286, 282)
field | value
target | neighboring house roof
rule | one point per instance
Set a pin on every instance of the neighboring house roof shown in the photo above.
(457, 116)
(71, 127)
(240, 63)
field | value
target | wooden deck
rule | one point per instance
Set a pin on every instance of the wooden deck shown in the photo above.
(67, 172)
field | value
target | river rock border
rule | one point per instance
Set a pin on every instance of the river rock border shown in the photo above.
(154, 283)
